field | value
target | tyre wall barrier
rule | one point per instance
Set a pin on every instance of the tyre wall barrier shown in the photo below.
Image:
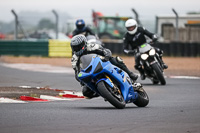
(170, 49)
(59, 48)
(51, 48)
(24, 48)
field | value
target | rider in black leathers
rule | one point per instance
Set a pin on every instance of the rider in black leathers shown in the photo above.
(82, 29)
(135, 37)
(80, 47)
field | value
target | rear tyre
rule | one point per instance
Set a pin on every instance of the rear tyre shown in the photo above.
(159, 74)
(155, 81)
(143, 99)
(116, 99)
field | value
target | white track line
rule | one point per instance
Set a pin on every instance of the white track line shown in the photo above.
(56, 69)
(39, 68)
(8, 100)
(72, 93)
(45, 97)
(184, 77)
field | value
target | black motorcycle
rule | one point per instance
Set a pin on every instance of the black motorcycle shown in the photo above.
(152, 64)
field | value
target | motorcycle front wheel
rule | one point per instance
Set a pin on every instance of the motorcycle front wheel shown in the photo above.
(112, 96)
(158, 73)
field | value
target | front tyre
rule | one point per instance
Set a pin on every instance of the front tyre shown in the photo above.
(113, 97)
(158, 73)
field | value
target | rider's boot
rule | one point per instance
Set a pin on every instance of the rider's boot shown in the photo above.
(165, 66)
(142, 75)
(133, 76)
(136, 86)
(141, 71)
(121, 65)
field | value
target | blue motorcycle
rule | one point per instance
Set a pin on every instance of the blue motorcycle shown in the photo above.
(110, 82)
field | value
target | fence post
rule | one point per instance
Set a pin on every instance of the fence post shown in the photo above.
(16, 24)
(56, 15)
(177, 34)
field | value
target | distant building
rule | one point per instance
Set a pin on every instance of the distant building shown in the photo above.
(188, 27)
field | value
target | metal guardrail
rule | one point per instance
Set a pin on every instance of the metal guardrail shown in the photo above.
(51, 48)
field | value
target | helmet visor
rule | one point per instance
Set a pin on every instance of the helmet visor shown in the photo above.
(81, 26)
(131, 28)
(79, 47)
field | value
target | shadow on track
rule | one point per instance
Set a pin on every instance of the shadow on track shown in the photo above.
(107, 108)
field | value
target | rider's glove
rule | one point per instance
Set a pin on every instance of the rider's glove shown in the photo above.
(74, 61)
(154, 38)
(107, 54)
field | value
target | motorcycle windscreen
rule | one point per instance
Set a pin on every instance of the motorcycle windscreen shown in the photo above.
(144, 48)
(85, 60)
(93, 39)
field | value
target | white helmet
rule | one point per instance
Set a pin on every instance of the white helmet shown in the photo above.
(131, 26)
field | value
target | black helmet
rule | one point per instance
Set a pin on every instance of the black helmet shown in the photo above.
(78, 44)
(80, 24)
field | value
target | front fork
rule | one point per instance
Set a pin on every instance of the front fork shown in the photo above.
(152, 60)
(132, 93)
(159, 61)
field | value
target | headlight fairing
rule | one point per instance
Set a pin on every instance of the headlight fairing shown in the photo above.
(152, 52)
(144, 56)
(99, 68)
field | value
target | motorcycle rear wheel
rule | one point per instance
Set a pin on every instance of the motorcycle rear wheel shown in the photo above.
(108, 94)
(143, 99)
(159, 74)
(155, 81)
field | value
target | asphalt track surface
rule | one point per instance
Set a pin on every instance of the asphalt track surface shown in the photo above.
(173, 108)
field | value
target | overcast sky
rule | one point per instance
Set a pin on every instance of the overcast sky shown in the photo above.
(82, 8)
